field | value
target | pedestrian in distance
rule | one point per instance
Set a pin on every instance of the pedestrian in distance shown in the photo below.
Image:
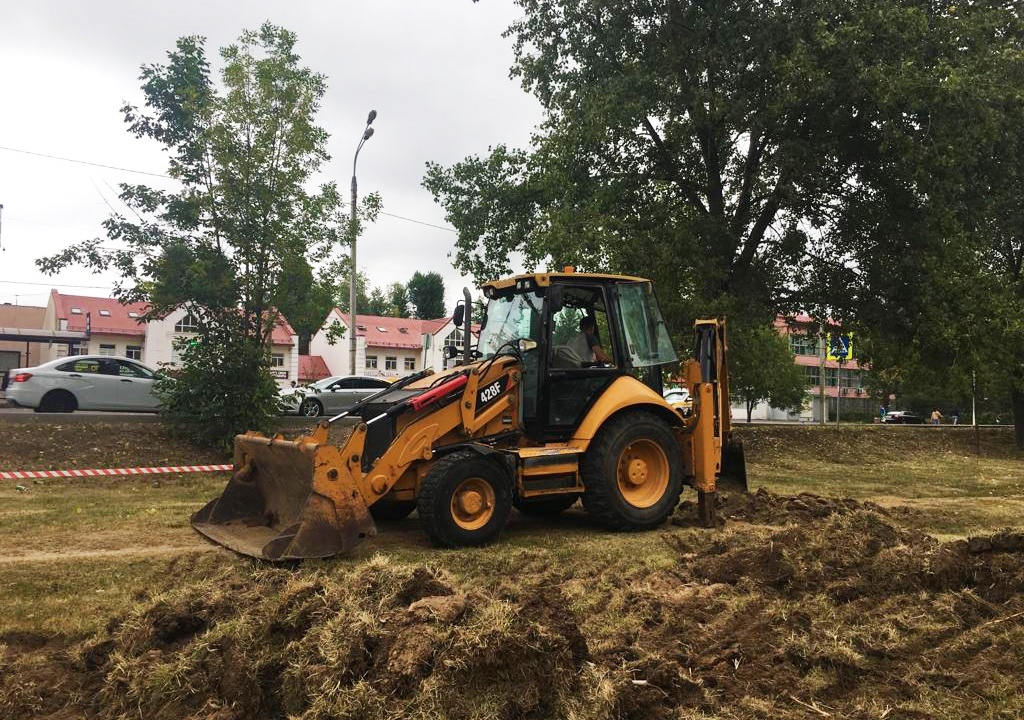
(955, 415)
(936, 416)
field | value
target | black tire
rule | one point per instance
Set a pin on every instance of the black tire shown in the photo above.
(58, 401)
(632, 473)
(545, 506)
(465, 499)
(311, 407)
(387, 510)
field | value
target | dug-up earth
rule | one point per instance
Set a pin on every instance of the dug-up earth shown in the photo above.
(800, 607)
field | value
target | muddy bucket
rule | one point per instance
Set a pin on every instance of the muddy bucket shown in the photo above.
(733, 475)
(287, 499)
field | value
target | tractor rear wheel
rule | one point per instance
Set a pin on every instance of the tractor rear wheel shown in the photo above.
(632, 472)
(465, 499)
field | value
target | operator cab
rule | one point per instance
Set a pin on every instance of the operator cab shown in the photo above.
(570, 367)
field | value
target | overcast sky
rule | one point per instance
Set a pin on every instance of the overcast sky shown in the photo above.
(436, 71)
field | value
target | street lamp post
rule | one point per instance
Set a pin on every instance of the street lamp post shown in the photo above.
(367, 133)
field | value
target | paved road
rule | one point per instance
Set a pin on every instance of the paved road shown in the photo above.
(25, 415)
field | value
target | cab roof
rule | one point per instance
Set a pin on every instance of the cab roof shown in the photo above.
(566, 275)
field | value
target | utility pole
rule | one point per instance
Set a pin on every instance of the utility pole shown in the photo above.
(821, 377)
(353, 231)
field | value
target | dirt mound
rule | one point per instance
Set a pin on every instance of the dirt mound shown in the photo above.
(765, 508)
(274, 643)
(846, 614)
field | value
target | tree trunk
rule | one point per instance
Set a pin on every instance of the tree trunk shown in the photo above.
(750, 410)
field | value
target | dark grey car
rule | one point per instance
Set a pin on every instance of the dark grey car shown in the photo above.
(332, 395)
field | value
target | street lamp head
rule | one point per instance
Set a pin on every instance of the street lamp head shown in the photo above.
(367, 134)
(370, 118)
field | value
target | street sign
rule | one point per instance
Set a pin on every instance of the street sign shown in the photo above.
(840, 347)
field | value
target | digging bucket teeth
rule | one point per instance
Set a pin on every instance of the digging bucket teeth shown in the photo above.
(287, 499)
(733, 475)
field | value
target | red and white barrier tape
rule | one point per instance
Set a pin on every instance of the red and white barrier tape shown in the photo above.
(29, 474)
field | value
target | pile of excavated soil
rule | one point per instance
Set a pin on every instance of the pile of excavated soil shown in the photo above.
(820, 613)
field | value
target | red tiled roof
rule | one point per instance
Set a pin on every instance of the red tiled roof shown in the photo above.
(312, 368)
(106, 315)
(109, 316)
(432, 326)
(388, 331)
(282, 333)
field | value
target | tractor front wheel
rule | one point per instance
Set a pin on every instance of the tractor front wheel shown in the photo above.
(632, 472)
(465, 499)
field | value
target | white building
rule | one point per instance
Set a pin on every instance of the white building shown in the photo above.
(119, 329)
(386, 346)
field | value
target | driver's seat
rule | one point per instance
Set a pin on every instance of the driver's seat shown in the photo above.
(566, 357)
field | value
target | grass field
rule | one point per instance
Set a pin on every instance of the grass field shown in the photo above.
(94, 571)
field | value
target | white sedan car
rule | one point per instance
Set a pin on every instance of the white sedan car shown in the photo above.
(83, 382)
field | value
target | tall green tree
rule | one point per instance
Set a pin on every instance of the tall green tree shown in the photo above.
(398, 300)
(711, 146)
(426, 292)
(303, 299)
(751, 158)
(939, 287)
(243, 152)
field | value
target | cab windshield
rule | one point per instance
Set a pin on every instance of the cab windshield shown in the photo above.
(510, 318)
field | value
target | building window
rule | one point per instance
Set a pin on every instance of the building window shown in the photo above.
(188, 324)
(812, 374)
(391, 362)
(277, 360)
(107, 349)
(455, 338)
(76, 311)
(77, 349)
(803, 344)
(371, 362)
(410, 363)
(104, 313)
(134, 352)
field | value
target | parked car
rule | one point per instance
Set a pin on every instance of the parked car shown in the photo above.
(83, 382)
(330, 396)
(904, 417)
(680, 399)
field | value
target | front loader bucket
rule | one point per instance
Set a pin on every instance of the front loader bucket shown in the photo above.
(287, 499)
(733, 476)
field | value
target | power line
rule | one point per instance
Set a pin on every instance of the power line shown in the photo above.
(143, 172)
(420, 222)
(23, 282)
(85, 162)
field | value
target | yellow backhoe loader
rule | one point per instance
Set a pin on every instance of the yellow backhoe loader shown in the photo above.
(537, 416)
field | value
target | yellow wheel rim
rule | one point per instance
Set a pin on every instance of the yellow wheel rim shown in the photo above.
(472, 504)
(642, 473)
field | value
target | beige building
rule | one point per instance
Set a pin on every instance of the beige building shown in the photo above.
(386, 346)
(14, 320)
(119, 329)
